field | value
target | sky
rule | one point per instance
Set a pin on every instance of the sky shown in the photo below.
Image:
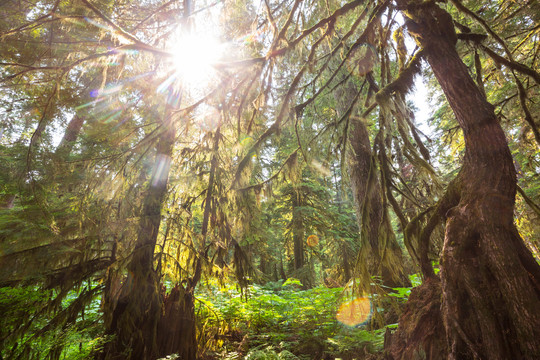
(420, 99)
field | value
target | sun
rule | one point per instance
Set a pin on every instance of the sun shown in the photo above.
(193, 58)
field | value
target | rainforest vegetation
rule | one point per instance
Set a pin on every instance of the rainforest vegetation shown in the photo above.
(269, 179)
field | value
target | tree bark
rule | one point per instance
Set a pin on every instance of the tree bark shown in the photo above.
(380, 254)
(346, 263)
(373, 218)
(139, 316)
(176, 328)
(490, 280)
(298, 230)
(427, 341)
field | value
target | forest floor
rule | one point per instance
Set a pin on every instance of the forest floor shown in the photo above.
(279, 320)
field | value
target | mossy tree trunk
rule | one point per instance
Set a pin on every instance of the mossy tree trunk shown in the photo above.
(145, 323)
(490, 281)
(385, 255)
(380, 254)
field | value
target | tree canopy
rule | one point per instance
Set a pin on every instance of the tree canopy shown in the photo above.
(156, 152)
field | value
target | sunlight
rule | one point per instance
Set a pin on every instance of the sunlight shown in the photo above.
(193, 57)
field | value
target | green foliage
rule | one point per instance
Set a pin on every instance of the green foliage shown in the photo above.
(269, 353)
(292, 283)
(17, 303)
(402, 293)
(368, 341)
(44, 337)
(277, 321)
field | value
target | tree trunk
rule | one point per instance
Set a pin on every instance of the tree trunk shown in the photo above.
(343, 246)
(282, 268)
(138, 318)
(176, 328)
(380, 254)
(298, 231)
(70, 136)
(375, 227)
(490, 281)
(346, 263)
(421, 334)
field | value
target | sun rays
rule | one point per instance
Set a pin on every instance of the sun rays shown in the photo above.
(194, 56)
(191, 66)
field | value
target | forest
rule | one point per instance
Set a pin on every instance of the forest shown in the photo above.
(269, 179)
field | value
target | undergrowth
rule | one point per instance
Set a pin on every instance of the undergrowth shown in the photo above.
(280, 321)
(277, 320)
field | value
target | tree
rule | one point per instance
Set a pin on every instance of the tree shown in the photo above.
(374, 220)
(149, 194)
(481, 242)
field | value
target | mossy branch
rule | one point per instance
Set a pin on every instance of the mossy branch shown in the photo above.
(510, 62)
(535, 207)
(404, 82)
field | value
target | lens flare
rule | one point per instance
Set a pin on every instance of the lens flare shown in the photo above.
(355, 312)
(247, 141)
(312, 240)
(161, 170)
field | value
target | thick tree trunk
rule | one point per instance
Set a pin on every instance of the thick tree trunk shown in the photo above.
(380, 254)
(346, 263)
(490, 281)
(414, 342)
(375, 228)
(138, 318)
(302, 268)
(136, 314)
(344, 248)
(176, 328)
